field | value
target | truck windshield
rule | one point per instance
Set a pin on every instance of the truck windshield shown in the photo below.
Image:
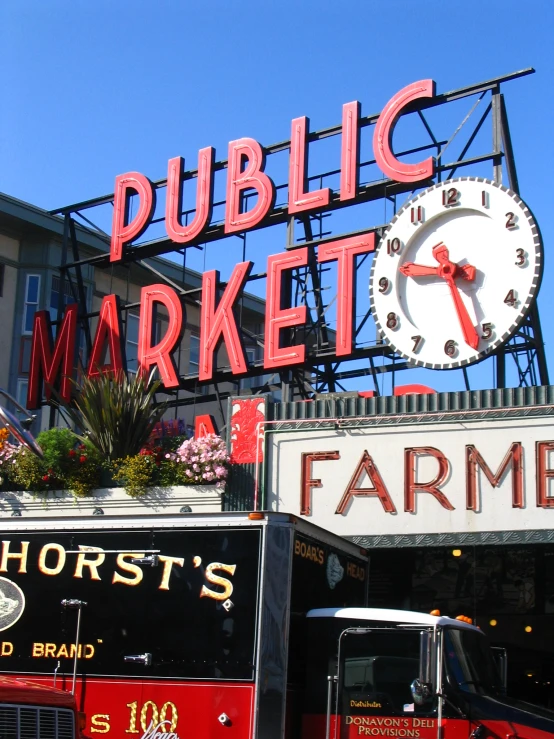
(469, 661)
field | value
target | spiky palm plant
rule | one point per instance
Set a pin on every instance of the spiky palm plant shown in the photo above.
(116, 413)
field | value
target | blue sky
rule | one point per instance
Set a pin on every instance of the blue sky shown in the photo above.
(94, 89)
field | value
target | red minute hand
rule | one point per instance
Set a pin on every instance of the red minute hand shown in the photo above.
(447, 270)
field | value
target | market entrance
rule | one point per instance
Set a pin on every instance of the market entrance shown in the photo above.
(507, 590)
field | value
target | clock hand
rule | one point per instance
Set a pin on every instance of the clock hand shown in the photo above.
(418, 270)
(447, 270)
(466, 272)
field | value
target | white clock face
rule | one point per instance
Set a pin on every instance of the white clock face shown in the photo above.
(455, 273)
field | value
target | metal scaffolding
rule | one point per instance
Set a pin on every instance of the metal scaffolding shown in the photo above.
(322, 371)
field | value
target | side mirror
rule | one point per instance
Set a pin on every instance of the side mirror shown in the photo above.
(422, 687)
(500, 656)
(421, 692)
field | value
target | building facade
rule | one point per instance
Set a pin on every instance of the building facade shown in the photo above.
(31, 251)
(451, 494)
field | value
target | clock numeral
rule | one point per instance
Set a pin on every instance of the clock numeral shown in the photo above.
(511, 298)
(383, 285)
(520, 257)
(450, 348)
(484, 199)
(418, 340)
(511, 220)
(450, 197)
(417, 215)
(487, 331)
(392, 320)
(394, 246)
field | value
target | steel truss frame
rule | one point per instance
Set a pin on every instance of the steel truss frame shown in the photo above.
(322, 372)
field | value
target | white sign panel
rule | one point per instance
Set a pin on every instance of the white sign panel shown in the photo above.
(466, 476)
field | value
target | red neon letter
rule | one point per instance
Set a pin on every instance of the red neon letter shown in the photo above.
(251, 177)
(45, 364)
(174, 196)
(413, 390)
(306, 481)
(350, 150)
(204, 425)
(159, 354)
(544, 474)
(411, 487)
(514, 455)
(220, 322)
(278, 318)
(109, 327)
(124, 231)
(300, 199)
(366, 466)
(382, 137)
(345, 250)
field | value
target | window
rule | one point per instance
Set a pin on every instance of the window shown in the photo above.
(132, 338)
(194, 363)
(194, 355)
(470, 662)
(55, 296)
(24, 355)
(32, 292)
(131, 342)
(2, 273)
(21, 396)
(254, 354)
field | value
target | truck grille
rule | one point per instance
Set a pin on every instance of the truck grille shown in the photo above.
(36, 722)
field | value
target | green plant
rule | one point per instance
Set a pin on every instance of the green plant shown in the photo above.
(115, 412)
(66, 464)
(135, 473)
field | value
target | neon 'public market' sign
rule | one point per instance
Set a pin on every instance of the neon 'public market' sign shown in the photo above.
(245, 172)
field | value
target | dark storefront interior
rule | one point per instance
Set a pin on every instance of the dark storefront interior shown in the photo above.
(507, 590)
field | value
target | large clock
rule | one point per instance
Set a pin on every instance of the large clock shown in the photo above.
(455, 273)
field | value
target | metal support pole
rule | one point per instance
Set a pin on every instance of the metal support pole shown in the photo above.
(73, 603)
(496, 136)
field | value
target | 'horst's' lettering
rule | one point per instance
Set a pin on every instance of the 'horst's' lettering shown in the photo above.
(91, 563)
(21, 556)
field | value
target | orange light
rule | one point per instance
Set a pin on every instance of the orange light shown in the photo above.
(493, 622)
(456, 552)
(256, 516)
(436, 612)
(465, 619)
(528, 629)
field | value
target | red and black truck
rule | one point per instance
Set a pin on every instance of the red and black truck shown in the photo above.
(172, 626)
(236, 625)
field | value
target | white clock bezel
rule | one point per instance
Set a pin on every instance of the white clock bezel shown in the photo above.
(529, 234)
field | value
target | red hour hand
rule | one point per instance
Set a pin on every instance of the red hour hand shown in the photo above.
(418, 270)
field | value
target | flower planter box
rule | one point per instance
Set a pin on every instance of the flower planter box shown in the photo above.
(113, 501)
